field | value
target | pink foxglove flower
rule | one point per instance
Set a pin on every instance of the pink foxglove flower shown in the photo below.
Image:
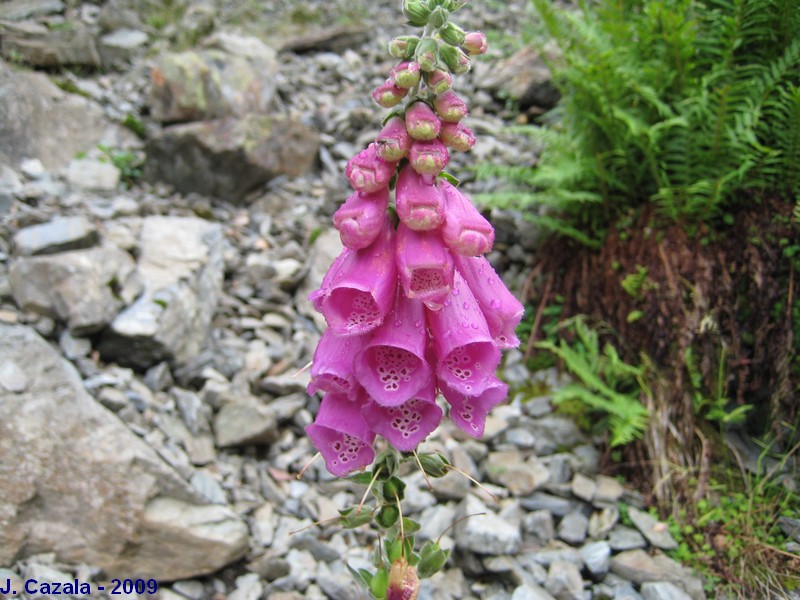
(342, 435)
(465, 231)
(404, 582)
(466, 353)
(469, 412)
(424, 265)
(388, 94)
(368, 172)
(407, 425)
(428, 158)
(360, 219)
(439, 81)
(406, 74)
(450, 107)
(420, 205)
(332, 367)
(392, 367)
(362, 291)
(393, 141)
(421, 122)
(457, 136)
(475, 43)
(502, 310)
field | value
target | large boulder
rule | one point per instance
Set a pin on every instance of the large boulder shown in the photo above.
(40, 46)
(75, 481)
(181, 267)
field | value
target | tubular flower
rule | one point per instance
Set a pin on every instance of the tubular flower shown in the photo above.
(406, 425)
(424, 265)
(392, 366)
(502, 310)
(368, 172)
(465, 231)
(466, 353)
(404, 582)
(362, 292)
(360, 219)
(342, 435)
(413, 308)
(419, 205)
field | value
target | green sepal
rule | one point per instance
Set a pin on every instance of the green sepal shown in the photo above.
(451, 178)
(432, 559)
(388, 515)
(452, 34)
(417, 12)
(349, 519)
(393, 489)
(364, 478)
(438, 16)
(394, 550)
(387, 461)
(379, 584)
(434, 464)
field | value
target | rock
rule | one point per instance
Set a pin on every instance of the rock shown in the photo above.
(39, 120)
(608, 491)
(12, 377)
(531, 591)
(38, 46)
(182, 275)
(337, 585)
(19, 10)
(663, 590)
(233, 77)
(245, 421)
(601, 522)
(72, 347)
(84, 288)
(656, 532)
(639, 567)
(564, 581)
(521, 478)
(58, 235)
(333, 39)
(60, 451)
(542, 501)
(524, 76)
(248, 587)
(486, 534)
(539, 524)
(118, 48)
(10, 187)
(625, 538)
(572, 528)
(93, 175)
(554, 433)
(583, 487)
(596, 558)
(229, 157)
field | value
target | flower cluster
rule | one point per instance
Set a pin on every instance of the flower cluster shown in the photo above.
(413, 307)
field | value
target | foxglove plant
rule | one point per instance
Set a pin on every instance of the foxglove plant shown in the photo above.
(413, 308)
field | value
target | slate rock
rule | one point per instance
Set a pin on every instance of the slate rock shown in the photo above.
(596, 558)
(40, 46)
(58, 235)
(485, 534)
(60, 451)
(564, 581)
(656, 532)
(639, 567)
(181, 266)
(572, 528)
(229, 157)
(39, 120)
(531, 591)
(245, 421)
(663, 590)
(625, 538)
(523, 76)
(19, 10)
(333, 39)
(118, 48)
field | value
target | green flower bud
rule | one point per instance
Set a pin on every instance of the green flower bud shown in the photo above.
(455, 59)
(417, 12)
(403, 46)
(427, 54)
(452, 34)
(388, 515)
(432, 559)
(438, 17)
(393, 489)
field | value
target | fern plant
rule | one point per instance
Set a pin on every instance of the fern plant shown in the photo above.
(681, 103)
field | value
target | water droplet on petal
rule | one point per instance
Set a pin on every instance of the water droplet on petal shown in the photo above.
(466, 305)
(447, 303)
(398, 323)
(474, 325)
(456, 291)
(465, 325)
(495, 303)
(447, 334)
(417, 323)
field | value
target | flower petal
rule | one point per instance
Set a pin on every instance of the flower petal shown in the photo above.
(465, 231)
(360, 219)
(469, 412)
(420, 205)
(424, 264)
(407, 425)
(332, 367)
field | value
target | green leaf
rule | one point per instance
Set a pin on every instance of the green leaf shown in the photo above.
(432, 559)
(388, 515)
(379, 584)
(434, 464)
(393, 489)
(350, 519)
(364, 478)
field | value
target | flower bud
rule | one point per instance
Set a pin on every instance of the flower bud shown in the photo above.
(450, 107)
(452, 34)
(403, 46)
(457, 137)
(438, 17)
(393, 141)
(406, 75)
(417, 12)
(439, 81)
(455, 59)
(388, 94)
(427, 54)
(368, 172)
(475, 43)
(404, 582)
(421, 122)
(428, 158)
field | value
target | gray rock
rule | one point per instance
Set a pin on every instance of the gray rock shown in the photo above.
(229, 157)
(564, 581)
(93, 174)
(602, 521)
(181, 266)
(58, 235)
(608, 491)
(334, 39)
(655, 531)
(530, 591)
(288, 383)
(583, 487)
(248, 587)
(263, 524)
(19, 10)
(60, 451)
(554, 433)
(625, 538)
(84, 288)
(639, 567)
(208, 487)
(539, 524)
(39, 120)
(520, 477)
(233, 77)
(543, 501)
(486, 534)
(12, 378)
(73, 347)
(663, 590)
(596, 558)
(39, 46)
(338, 585)
(118, 48)
(245, 421)
(572, 528)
